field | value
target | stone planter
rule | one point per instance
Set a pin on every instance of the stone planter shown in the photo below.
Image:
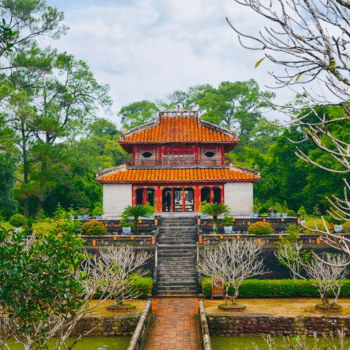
(302, 222)
(278, 215)
(228, 229)
(284, 215)
(126, 230)
(272, 215)
(329, 308)
(121, 308)
(98, 217)
(255, 216)
(338, 228)
(232, 308)
(80, 217)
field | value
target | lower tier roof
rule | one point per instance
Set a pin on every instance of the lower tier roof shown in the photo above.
(133, 176)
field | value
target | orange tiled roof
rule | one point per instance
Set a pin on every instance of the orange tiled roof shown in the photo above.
(179, 129)
(177, 175)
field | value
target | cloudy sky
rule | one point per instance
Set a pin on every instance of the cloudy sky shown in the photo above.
(146, 49)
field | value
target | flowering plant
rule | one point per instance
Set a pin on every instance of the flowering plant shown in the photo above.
(93, 228)
(260, 228)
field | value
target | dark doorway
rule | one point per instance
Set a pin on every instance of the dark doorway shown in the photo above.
(205, 194)
(151, 198)
(139, 196)
(166, 199)
(217, 195)
(189, 199)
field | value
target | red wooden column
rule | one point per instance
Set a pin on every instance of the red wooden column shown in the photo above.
(197, 199)
(196, 153)
(211, 195)
(158, 199)
(133, 196)
(133, 154)
(222, 194)
(183, 200)
(144, 197)
(172, 200)
(222, 155)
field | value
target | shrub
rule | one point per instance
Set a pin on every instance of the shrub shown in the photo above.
(346, 227)
(288, 288)
(98, 211)
(17, 220)
(291, 212)
(93, 228)
(43, 228)
(319, 223)
(260, 228)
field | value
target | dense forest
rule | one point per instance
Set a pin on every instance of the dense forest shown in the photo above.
(52, 143)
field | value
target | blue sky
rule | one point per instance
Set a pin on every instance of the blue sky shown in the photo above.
(146, 49)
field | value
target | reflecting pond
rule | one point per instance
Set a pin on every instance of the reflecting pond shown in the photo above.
(90, 343)
(242, 343)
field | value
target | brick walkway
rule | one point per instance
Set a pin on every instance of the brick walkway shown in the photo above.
(175, 326)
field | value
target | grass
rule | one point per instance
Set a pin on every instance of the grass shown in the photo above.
(102, 311)
(279, 307)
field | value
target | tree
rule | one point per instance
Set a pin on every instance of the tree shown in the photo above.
(326, 272)
(215, 209)
(136, 212)
(8, 205)
(47, 285)
(311, 44)
(230, 263)
(138, 113)
(125, 264)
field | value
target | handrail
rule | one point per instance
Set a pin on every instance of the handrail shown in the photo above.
(204, 326)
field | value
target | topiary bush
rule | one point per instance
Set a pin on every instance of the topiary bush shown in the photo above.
(260, 228)
(319, 223)
(93, 228)
(291, 212)
(43, 228)
(346, 227)
(17, 220)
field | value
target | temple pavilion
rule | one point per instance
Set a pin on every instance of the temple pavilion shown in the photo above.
(177, 162)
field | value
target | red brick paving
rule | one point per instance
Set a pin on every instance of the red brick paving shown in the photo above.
(175, 326)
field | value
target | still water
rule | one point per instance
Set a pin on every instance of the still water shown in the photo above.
(90, 343)
(243, 343)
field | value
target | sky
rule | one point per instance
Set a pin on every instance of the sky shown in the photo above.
(146, 49)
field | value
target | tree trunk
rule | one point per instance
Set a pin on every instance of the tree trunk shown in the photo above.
(215, 224)
(136, 225)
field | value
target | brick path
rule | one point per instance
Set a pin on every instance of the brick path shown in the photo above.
(175, 326)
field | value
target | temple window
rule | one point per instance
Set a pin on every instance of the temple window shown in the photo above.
(209, 154)
(147, 154)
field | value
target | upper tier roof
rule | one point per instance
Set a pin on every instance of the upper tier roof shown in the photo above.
(179, 127)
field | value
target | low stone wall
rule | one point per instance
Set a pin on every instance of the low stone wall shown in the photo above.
(261, 324)
(123, 325)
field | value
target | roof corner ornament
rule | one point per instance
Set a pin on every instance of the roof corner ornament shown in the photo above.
(122, 132)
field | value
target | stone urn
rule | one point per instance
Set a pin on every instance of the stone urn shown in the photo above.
(338, 228)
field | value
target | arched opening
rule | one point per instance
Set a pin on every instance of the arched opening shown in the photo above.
(139, 196)
(166, 199)
(189, 199)
(217, 195)
(205, 194)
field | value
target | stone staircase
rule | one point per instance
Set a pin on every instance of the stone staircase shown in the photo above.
(177, 256)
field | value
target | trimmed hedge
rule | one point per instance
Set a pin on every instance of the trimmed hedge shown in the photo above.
(287, 288)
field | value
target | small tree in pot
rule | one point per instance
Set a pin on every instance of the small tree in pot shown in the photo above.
(136, 212)
(230, 263)
(215, 209)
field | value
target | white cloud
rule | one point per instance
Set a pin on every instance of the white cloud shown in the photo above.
(150, 48)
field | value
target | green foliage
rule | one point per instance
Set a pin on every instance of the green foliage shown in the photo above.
(346, 227)
(291, 213)
(37, 281)
(302, 212)
(260, 228)
(311, 222)
(17, 220)
(136, 212)
(143, 286)
(288, 288)
(8, 205)
(214, 209)
(98, 211)
(43, 228)
(93, 228)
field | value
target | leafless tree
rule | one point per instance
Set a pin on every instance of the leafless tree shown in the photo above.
(124, 262)
(310, 40)
(327, 273)
(230, 263)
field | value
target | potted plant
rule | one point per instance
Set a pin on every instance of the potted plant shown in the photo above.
(256, 208)
(137, 211)
(93, 228)
(284, 209)
(271, 210)
(125, 224)
(71, 213)
(227, 221)
(97, 212)
(215, 210)
(338, 228)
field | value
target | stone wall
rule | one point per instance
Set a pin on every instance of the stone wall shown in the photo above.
(115, 198)
(239, 197)
(262, 324)
(123, 325)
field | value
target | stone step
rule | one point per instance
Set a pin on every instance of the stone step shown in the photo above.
(179, 241)
(177, 289)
